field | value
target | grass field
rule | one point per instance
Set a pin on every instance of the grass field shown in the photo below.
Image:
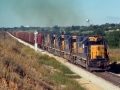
(114, 55)
(22, 68)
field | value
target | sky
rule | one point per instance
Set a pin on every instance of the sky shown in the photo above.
(42, 13)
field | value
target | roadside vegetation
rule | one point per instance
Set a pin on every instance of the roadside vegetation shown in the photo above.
(23, 69)
(114, 55)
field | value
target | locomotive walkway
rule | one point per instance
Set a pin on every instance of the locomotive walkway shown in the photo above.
(83, 73)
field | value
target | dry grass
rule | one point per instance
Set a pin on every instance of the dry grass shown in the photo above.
(114, 55)
(18, 67)
(21, 68)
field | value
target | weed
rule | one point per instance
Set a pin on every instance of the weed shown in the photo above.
(114, 59)
(114, 55)
(69, 84)
(73, 76)
(52, 62)
(27, 69)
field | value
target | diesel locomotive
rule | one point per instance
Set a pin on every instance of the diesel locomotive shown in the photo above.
(87, 51)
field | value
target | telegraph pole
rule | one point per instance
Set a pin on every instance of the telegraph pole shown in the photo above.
(35, 38)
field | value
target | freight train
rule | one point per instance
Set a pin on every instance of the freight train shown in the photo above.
(87, 51)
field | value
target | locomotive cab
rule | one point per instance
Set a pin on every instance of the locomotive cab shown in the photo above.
(98, 57)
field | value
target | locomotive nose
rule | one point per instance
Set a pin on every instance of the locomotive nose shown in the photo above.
(97, 51)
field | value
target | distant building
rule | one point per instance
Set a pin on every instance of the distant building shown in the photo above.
(117, 29)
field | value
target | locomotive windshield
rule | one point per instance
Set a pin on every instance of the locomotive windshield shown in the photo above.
(96, 43)
(95, 40)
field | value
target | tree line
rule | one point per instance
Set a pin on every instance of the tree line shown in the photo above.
(110, 31)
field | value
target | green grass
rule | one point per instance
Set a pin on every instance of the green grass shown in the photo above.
(114, 58)
(86, 32)
(63, 80)
(78, 32)
(73, 76)
(45, 59)
(64, 77)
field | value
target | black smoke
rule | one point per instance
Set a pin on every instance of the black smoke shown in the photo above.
(47, 12)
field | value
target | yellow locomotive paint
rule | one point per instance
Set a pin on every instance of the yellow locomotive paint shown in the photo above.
(74, 37)
(74, 47)
(97, 51)
(54, 43)
(74, 44)
(80, 50)
(93, 39)
(48, 38)
(66, 46)
(62, 46)
(62, 36)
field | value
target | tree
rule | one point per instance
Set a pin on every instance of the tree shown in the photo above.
(22, 28)
(113, 39)
(99, 32)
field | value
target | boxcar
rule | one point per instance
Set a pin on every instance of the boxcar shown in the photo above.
(39, 39)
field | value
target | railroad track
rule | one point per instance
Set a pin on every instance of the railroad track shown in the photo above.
(110, 77)
(114, 79)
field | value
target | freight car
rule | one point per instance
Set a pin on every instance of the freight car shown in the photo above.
(87, 51)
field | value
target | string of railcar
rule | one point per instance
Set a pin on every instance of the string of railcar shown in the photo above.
(87, 51)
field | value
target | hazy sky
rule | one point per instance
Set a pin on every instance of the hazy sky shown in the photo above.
(14, 13)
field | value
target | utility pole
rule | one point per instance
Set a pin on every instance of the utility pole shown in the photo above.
(35, 38)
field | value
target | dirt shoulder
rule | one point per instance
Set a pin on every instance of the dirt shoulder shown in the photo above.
(88, 85)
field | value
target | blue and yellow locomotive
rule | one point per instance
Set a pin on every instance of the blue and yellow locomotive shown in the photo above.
(86, 51)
